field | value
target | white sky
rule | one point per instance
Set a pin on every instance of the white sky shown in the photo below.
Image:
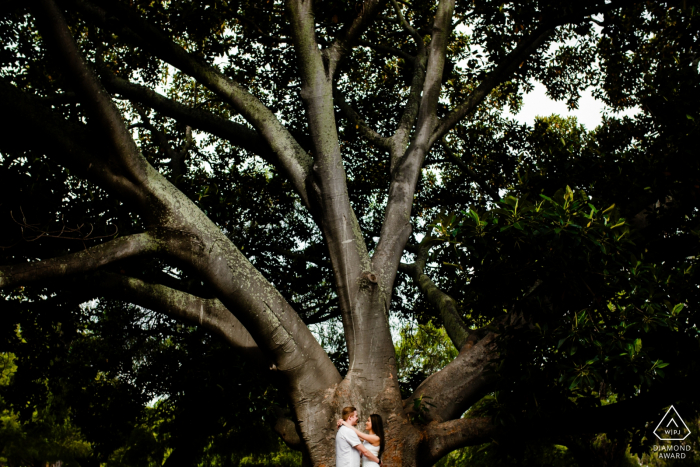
(589, 112)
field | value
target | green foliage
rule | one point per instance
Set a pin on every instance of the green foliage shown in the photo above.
(108, 362)
(492, 454)
(421, 350)
(283, 457)
(599, 318)
(48, 436)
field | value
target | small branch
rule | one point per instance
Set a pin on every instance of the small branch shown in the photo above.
(62, 98)
(355, 119)
(388, 50)
(465, 168)
(32, 233)
(343, 43)
(158, 135)
(402, 134)
(321, 316)
(300, 256)
(404, 24)
(456, 329)
(177, 158)
(177, 163)
(599, 23)
(76, 263)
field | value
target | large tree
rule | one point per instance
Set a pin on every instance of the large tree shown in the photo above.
(251, 168)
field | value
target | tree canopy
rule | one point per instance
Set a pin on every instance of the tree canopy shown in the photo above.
(225, 206)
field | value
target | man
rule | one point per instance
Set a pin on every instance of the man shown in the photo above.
(348, 448)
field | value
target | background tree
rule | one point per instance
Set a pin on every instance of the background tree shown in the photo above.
(48, 435)
(251, 169)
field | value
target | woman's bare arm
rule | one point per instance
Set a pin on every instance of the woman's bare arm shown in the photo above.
(373, 439)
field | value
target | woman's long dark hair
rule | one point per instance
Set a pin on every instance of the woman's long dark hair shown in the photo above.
(378, 428)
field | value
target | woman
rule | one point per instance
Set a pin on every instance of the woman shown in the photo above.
(373, 440)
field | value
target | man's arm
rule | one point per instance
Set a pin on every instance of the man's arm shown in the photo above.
(365, 452)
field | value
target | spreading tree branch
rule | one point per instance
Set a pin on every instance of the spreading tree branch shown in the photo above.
(516, 58)
(504, 69)
(71, 144)
(235, 133)
(210, 314)
(82, 262)
(461, 383)
(291, 157)
(93, 96)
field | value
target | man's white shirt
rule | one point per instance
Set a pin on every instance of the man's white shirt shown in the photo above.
(345, 453)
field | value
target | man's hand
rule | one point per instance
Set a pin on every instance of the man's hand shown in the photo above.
(365, 452)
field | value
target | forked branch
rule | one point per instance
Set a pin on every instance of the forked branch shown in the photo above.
(350, 34)
(406, 166)
(404, 24)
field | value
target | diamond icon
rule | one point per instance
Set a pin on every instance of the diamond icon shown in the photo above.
(672, 427)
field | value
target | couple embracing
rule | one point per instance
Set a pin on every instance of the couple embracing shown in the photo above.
(348, 448)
